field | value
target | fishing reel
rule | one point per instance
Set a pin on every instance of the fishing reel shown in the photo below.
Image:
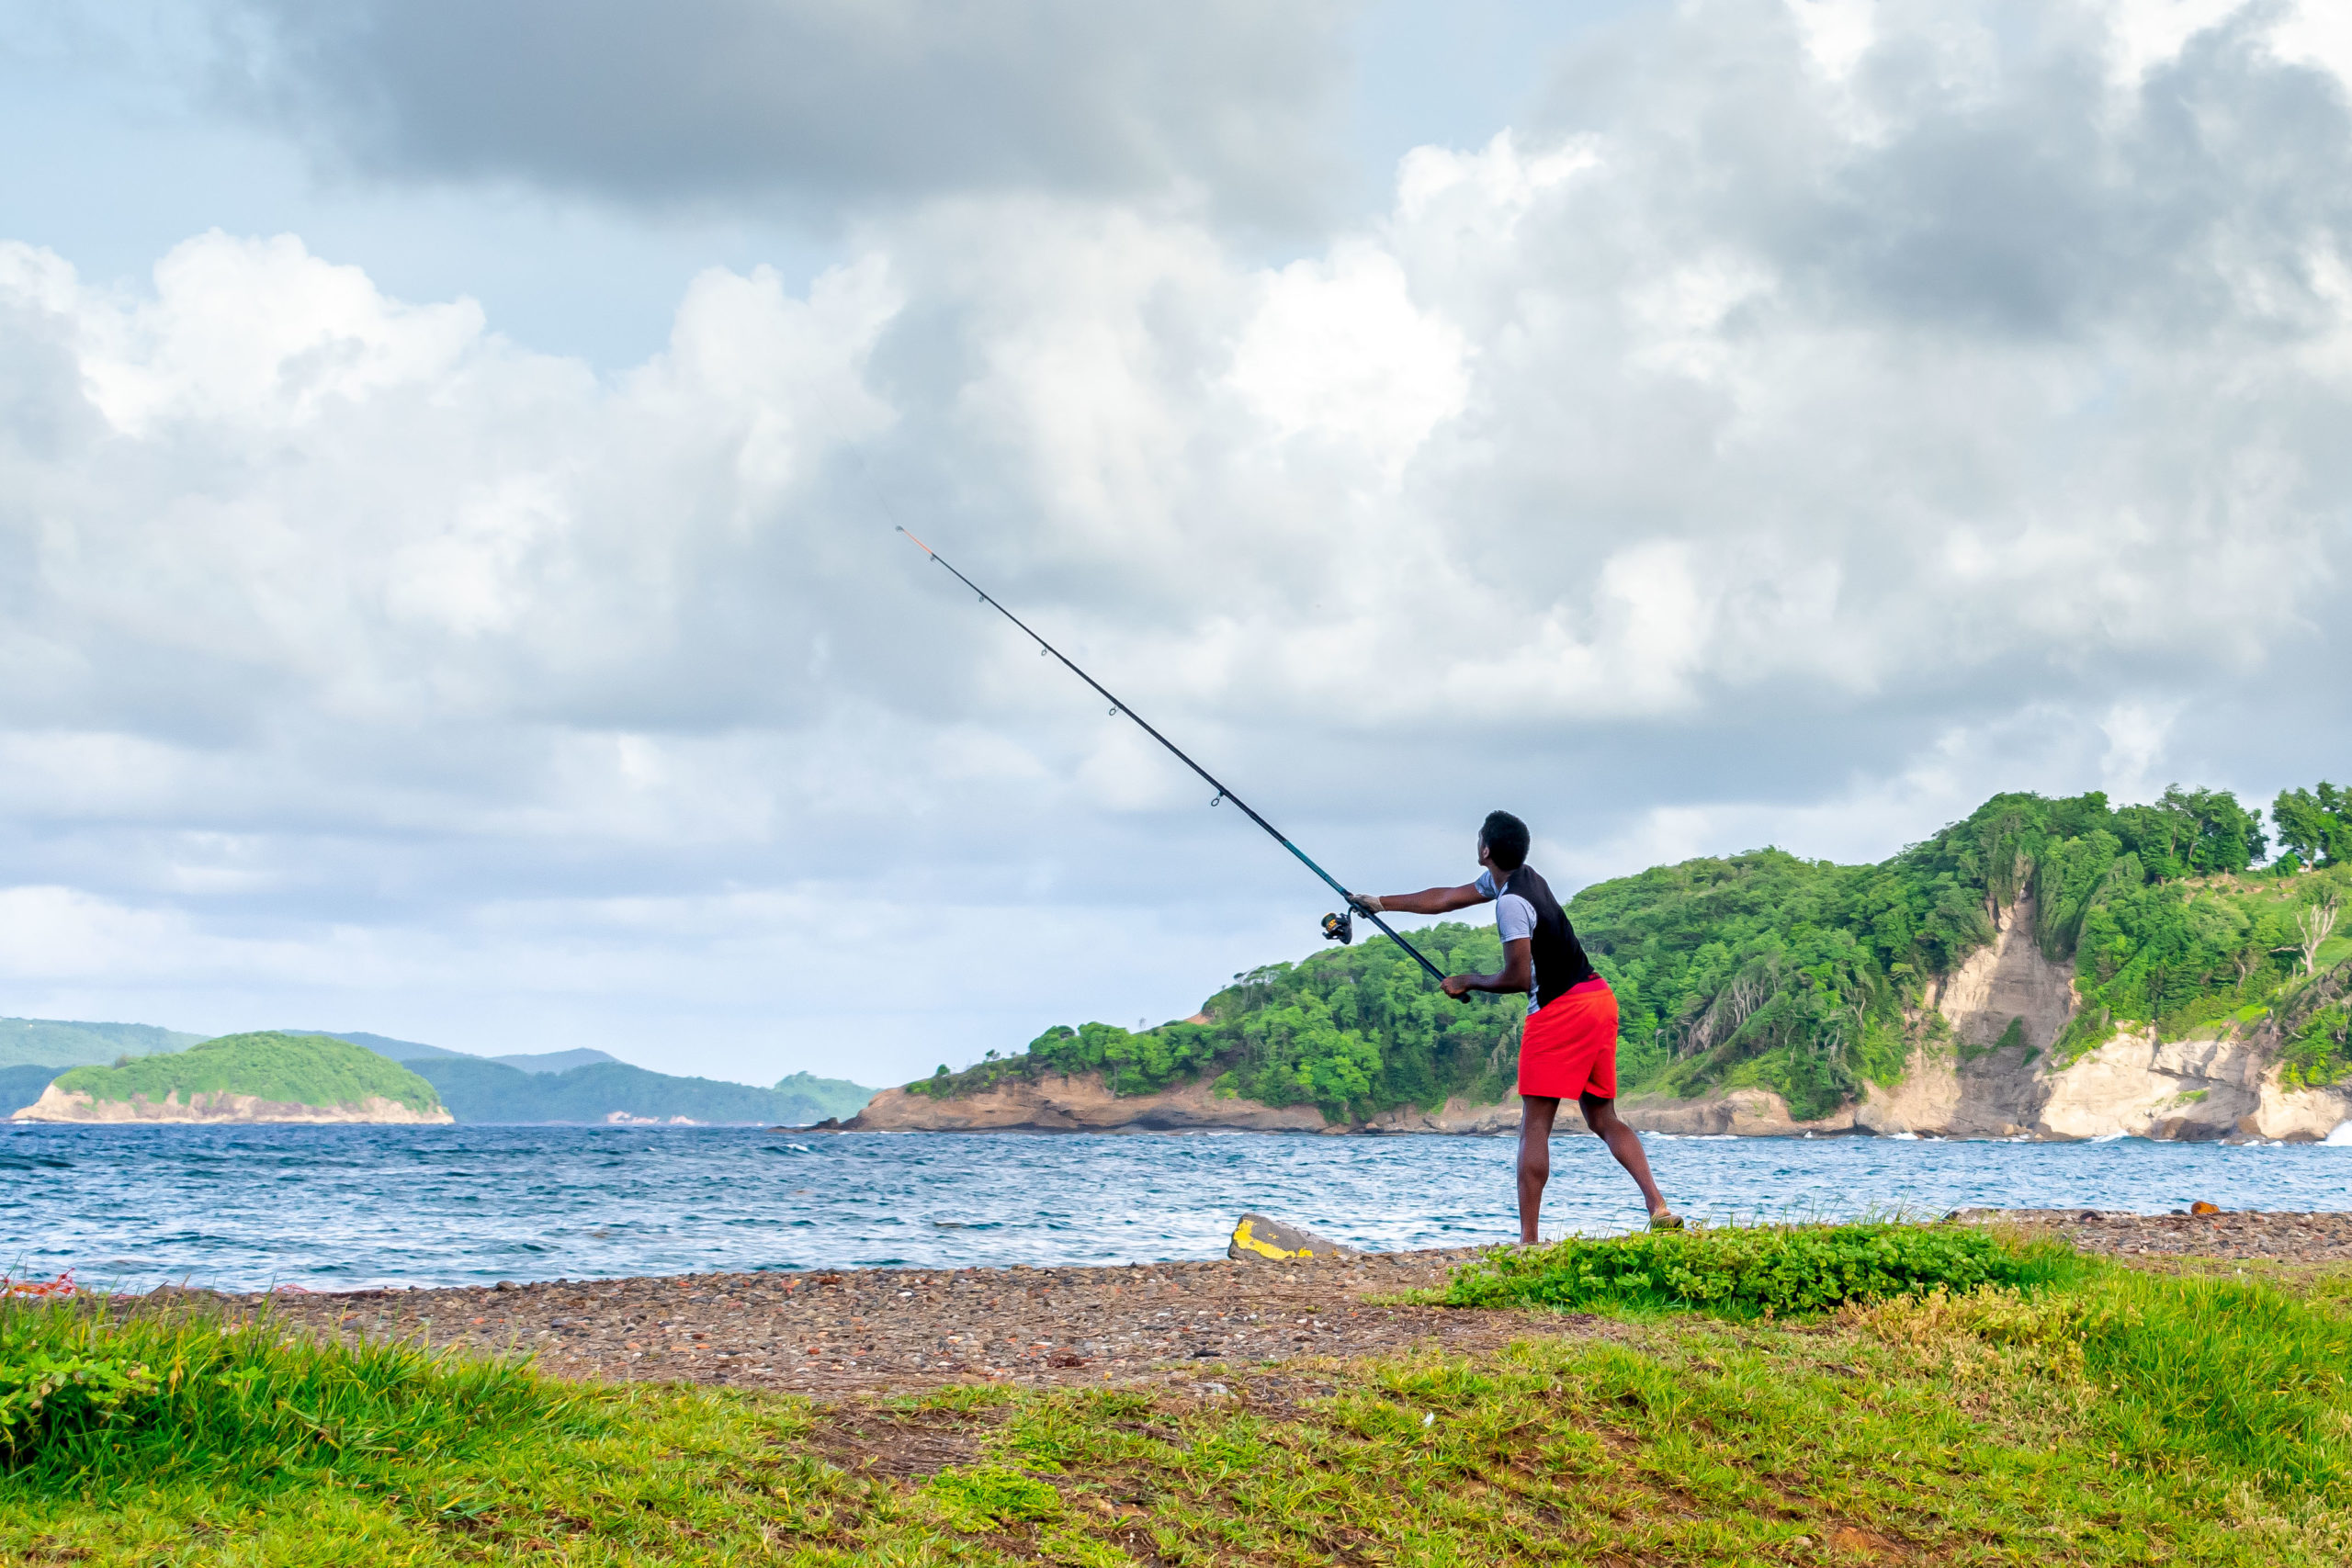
(1340, 927)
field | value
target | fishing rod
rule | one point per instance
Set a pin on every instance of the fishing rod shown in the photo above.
(1339, 927)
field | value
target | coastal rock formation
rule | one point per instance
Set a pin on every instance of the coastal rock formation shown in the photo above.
(56, 1105)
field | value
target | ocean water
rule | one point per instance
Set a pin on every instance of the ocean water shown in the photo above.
(250, 1208)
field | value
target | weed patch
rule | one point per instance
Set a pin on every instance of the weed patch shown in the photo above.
(1778, 1271)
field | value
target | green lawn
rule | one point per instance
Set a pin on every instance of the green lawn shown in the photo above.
(2103, 1417)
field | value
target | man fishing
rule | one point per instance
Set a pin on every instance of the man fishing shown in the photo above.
(1569, 1046)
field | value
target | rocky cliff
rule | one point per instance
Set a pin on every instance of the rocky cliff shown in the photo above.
(1988, 1082)
(2005, 1007)
(59, 1105)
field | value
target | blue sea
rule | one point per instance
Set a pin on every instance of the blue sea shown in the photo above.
(249, 1208)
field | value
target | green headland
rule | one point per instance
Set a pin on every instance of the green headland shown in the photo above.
(1806, 977)
(262, 1077)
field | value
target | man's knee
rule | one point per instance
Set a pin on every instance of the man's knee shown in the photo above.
(1601, 1115)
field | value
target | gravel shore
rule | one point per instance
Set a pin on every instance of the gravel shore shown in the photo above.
(2250, 1233)
(868, 1331)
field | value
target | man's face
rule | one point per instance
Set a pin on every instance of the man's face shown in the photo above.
(1485, 858)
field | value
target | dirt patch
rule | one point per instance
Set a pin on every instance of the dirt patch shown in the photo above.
(905, 1445)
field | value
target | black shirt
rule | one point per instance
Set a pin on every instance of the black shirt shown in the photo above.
(1560, 962)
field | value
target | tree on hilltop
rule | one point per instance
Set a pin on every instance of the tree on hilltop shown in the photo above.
(2314, 826)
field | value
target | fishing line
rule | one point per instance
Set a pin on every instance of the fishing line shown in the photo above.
(1337, 927)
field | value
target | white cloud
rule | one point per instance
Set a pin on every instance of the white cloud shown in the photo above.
(1338, 349)
(1741, 449)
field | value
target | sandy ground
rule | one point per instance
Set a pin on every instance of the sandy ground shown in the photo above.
(873, 1331)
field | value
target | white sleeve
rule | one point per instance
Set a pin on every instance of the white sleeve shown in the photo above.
(1486, 883)
(1514, 917)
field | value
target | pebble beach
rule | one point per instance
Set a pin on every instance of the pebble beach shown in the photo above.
(853, 1332)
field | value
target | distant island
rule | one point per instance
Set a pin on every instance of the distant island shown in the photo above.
(575, 1085)
(266, 1077)
(2055, 968)
(478, 1090)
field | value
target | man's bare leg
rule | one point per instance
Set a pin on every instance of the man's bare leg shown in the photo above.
(1601, 1115)
(1536, 1114)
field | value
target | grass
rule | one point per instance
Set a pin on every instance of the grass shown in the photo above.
(1756, 1269)
(2095, 1415)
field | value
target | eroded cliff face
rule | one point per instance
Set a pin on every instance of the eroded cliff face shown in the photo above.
(2132, 1086)
(1971, 1085)
(220, 1106)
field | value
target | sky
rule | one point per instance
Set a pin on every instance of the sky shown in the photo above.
(451, 457)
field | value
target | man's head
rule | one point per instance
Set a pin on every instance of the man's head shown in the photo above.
(1503, 841)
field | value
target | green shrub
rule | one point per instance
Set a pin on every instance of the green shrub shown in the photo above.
(1774, 1269)
(47, 1398)
(87, 1395)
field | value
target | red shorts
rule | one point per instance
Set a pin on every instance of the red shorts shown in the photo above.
(1570, 1047)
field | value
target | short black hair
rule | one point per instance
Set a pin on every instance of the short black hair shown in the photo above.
(1505, 836)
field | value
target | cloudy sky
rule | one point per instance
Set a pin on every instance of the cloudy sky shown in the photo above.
(449, 454)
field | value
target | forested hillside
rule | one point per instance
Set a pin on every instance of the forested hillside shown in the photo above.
(61, 1043)
(478, 1090)
(1806, 977)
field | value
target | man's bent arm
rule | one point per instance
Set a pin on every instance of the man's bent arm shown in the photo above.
(1517, 973)
(1428, 901)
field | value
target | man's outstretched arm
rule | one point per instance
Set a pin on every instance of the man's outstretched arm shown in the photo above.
(1428, 901)
(1517, 973)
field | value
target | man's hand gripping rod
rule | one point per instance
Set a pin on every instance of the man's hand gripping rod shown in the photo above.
(1222, 792)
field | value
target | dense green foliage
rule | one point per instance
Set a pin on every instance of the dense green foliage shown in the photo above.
(1353, 1031)
(86, 1399)
(2314, 826)
(1806, 977)
(484, 1091)
(1776, 1270)
(60, 1043)
(2320, 1053)
(290, 1069)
